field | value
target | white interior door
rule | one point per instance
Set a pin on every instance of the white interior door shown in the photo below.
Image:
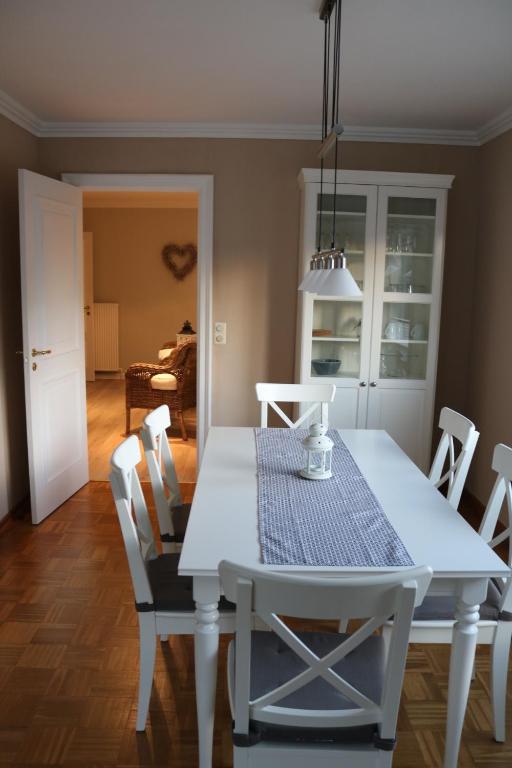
(89, 308)
(53, 339)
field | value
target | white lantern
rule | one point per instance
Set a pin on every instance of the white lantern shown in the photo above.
(318, 449)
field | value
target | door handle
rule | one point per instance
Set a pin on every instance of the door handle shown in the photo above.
(373, 384)
(36, 352)
(362, 383)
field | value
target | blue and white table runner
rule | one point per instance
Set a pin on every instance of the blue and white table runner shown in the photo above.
(335, 522)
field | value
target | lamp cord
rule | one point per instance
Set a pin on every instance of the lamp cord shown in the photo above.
(324, 130)
(335, 106)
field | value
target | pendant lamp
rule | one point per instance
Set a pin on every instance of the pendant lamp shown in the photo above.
(328, 273)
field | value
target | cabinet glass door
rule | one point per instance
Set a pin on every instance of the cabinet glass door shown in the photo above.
(410, 239)
(408, 255)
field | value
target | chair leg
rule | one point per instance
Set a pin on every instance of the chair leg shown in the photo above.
(499, 672)
(127, 420)
(342, 626)
(147, 650)
(386, 636)
(184, 435)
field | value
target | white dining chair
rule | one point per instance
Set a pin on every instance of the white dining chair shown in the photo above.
(172, 513)
(302, 698)
(318, 396)
(454, 425)
(433, 621)
(163, 600)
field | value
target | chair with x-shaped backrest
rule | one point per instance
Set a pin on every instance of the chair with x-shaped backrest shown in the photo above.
(172, 513)
(433, 621)
(454, 425)
(163, 599)
(317, 396)
(299, 697)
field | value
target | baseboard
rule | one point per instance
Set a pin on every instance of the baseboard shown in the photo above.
(109, 374)
(20, 511)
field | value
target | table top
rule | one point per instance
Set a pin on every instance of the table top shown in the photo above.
(223, 522)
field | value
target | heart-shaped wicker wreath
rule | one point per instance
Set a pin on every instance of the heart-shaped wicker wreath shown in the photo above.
(187, 256)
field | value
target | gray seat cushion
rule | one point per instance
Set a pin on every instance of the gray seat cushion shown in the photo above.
(180, 517)
(274, 663)
(439, 608)
(172, 592)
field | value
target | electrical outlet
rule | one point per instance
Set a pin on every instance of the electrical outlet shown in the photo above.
(219, 333)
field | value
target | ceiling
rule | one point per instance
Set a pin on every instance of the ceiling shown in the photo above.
(411, 65)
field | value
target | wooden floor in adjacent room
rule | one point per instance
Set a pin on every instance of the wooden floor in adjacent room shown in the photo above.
(106, 429)
(68, 662)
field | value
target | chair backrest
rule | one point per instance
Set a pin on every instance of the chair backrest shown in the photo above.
(374, 598)
(502, 490)
(162, 471)
(318, 395)
(133, 516)
(454, 425)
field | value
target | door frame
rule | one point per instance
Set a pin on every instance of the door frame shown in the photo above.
(168, 182)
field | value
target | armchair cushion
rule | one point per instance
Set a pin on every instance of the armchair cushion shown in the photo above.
(164, 381)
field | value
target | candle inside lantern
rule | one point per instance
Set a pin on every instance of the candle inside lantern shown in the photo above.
(318, 449)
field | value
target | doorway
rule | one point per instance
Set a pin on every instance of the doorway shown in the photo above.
(202, 187)
(140, 310)
(51, 257)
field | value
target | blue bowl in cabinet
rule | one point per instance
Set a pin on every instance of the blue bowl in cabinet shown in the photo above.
(327, 366)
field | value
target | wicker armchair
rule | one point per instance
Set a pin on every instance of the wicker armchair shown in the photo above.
(146, 387)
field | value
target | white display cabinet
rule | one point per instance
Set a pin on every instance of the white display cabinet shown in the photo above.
(381, 349)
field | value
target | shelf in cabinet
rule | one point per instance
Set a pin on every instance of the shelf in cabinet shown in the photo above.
(359, 214)
(336, 338)
(344, 375)
(411, 216)
(409, 253)
(404, 341)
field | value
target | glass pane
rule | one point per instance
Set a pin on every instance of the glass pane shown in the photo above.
(409, 244)
(336, 339)
(350, 229)
(404, 343)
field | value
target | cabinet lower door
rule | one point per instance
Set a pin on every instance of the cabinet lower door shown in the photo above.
(348, 411)
(401, 412)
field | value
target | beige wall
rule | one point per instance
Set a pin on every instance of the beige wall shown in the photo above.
(256, 242)
(490, 365)
(129, 269)
(18, 149)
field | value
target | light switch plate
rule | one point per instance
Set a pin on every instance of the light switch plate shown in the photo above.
(219, 333)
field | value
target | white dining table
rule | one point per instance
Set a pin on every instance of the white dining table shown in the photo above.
(223, 525)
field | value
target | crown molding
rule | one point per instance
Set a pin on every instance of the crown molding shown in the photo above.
(253, 131)
(410, 135)
(180, 130)
(496, 127)
(23, 117)
(18, 114)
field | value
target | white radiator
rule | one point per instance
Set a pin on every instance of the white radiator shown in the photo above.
(106, 337)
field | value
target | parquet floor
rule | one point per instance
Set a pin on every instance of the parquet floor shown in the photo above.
(68, 663)
(106, 425)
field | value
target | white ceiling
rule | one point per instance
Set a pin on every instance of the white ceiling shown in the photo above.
(443, 65)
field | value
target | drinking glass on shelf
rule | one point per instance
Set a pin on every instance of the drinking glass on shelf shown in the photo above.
(406, 241)
(391, 241)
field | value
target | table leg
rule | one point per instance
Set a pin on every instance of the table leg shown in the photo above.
(206, 648)
(465, 632)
